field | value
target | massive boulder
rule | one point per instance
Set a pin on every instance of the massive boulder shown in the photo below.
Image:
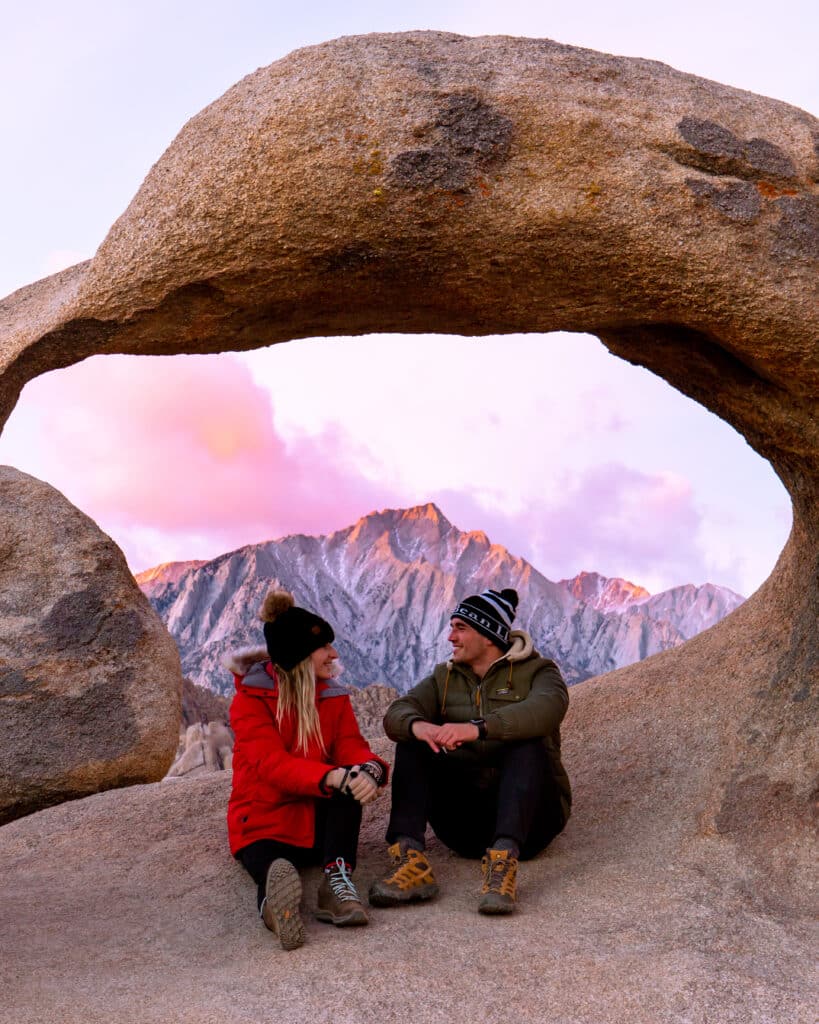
(89, 678)
(428, 182)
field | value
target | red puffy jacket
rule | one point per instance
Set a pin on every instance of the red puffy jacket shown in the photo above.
(275, 788)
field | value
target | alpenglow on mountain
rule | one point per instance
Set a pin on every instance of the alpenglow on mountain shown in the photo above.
(388, 585)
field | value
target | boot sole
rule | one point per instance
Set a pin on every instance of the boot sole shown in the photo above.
(283, 893)
(352, 919)
(381, 898)
(493, 907)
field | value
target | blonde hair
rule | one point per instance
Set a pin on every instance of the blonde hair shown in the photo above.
(297, 694)
(297, 688)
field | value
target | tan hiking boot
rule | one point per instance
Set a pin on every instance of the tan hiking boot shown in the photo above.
(338, 899)
(498, 895)
(411, 879)
(280, 906)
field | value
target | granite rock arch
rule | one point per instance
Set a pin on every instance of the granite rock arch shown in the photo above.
(430, 182)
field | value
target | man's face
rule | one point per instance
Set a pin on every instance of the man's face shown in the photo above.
(468, 645)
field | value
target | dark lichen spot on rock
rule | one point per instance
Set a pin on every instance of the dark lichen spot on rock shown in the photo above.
(709, 138)
(767, 158)
(74, 619)
(13, 683)
(716, 150)
(796, 235)
(474, 129)
(85, 617)
(431, 168)
(468, 136)
(121, 630)
(740, 201)
(71, 731)
(355, 256)
(428, 70)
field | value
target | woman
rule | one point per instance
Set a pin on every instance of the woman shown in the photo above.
(301, 771)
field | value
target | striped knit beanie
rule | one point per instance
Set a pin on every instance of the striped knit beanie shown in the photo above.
(490, 613)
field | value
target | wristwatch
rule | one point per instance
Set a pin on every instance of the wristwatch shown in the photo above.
(481, 724)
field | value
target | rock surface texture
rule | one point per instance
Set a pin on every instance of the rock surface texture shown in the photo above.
(428, 182)
(89, 678)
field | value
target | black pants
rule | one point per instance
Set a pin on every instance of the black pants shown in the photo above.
(511, 794)
(338, 822)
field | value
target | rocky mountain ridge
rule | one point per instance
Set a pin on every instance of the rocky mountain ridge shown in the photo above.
(388, 584)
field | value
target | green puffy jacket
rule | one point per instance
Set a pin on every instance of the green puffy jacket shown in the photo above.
(521, 696)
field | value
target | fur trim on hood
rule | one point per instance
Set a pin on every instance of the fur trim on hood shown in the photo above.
(240, 662)
(522, 646)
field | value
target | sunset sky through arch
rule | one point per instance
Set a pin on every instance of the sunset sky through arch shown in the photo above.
(596, 466)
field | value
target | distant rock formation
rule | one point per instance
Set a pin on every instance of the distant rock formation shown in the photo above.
(89, 678)
(203, 747)
(370, 706)
(205, 739)
(199, 704)
(389, 583)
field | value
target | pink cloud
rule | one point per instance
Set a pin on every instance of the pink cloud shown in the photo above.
(611, 519)
(185, 447)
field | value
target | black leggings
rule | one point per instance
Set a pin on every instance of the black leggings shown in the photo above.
(338, 822)
(513, 794)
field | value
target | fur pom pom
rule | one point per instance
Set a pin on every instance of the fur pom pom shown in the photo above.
(276, 602)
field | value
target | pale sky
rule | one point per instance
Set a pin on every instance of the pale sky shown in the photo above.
(593, 465)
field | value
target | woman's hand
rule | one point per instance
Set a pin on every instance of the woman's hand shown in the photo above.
(353, 781)
(361, 786)
(335, 778)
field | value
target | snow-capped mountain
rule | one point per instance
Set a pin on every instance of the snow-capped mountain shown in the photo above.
(388, 585)
(688, 608)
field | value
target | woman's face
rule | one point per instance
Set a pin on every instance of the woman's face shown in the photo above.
(323, 660)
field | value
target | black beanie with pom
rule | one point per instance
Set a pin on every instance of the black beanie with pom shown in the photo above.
(291, 633)
(490, 613)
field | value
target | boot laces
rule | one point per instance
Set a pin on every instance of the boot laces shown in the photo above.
(499, 875)
(341, 883)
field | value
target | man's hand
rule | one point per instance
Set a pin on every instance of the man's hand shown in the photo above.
(444, 737)
(453, 734)
(427, 733)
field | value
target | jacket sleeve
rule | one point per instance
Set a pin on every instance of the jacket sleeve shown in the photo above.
(421, 702)
(349, 746)
(538, 714)
(256, 731)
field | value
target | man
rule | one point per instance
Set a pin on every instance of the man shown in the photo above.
(477, 757)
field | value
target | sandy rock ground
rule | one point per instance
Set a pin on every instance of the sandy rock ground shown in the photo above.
(127, 907)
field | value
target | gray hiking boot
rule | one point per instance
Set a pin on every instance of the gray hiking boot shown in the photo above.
(280, 906)
(338, 899)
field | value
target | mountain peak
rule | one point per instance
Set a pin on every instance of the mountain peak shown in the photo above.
(604, 593)
(429, 512)
(166, 572)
